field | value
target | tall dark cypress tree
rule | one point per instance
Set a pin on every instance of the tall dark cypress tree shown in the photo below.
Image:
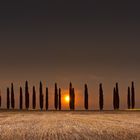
(86, 97)
(59, 99)
(117, 97)
(70, 95)
(41, 95)
(34, 98)
(56, 97)
(128, 98)
(133, 95)
(101, 98)
(114, 99)
(20, 99)
(47, 104)
(12, 96)
(0, 100)
(73, 99)
(8, 98)
(26, 95)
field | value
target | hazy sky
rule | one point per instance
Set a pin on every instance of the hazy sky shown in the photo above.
(83, 41)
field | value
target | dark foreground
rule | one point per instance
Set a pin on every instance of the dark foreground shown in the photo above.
(80, 125)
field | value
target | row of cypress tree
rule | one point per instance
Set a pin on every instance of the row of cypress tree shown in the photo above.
(41, 97)
(57, 97)
(116, 98)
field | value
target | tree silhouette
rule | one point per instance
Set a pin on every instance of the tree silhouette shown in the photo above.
(20, 99)
(101, 98)
(86, 97)
(41, 95)
(70, 95)
(133, 95)
(117, 97)
(8, 98)
(0, 100)
(114, 98)
(73, 99)
(56, 97)
(34, 98)
(47, 104)
(59, 99)
(128, 98)
(12, 96)
(26, 95)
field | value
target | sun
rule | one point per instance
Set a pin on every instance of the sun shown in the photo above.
(67, 98)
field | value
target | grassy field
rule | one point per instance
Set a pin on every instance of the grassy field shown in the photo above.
(79, 125)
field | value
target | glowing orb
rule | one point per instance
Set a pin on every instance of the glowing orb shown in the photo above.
(67, 98)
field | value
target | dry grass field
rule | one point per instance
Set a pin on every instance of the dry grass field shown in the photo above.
(65, 125)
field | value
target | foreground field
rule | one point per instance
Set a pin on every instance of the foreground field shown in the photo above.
(122, 125)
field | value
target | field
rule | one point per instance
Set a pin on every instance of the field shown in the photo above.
(79, 125)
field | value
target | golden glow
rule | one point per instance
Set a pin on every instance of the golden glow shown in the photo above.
(67, 98)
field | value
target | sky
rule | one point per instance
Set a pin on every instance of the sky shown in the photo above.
(86, 41)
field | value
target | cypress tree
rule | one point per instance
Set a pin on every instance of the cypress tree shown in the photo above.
(133, 95)
(20, 99)
(12, 96)
(26, 95)
(114, 99)
(41, 96)
(101, 100)
(56, 97)
(59, 99)
(8, 98)
(0, 100)
(128, 98)
(86, 97)
(73, 99)
(117, 97)
(34, 98)
(47, 104)
(70, 95)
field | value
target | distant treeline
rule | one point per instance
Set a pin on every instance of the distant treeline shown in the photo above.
(57, 97)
